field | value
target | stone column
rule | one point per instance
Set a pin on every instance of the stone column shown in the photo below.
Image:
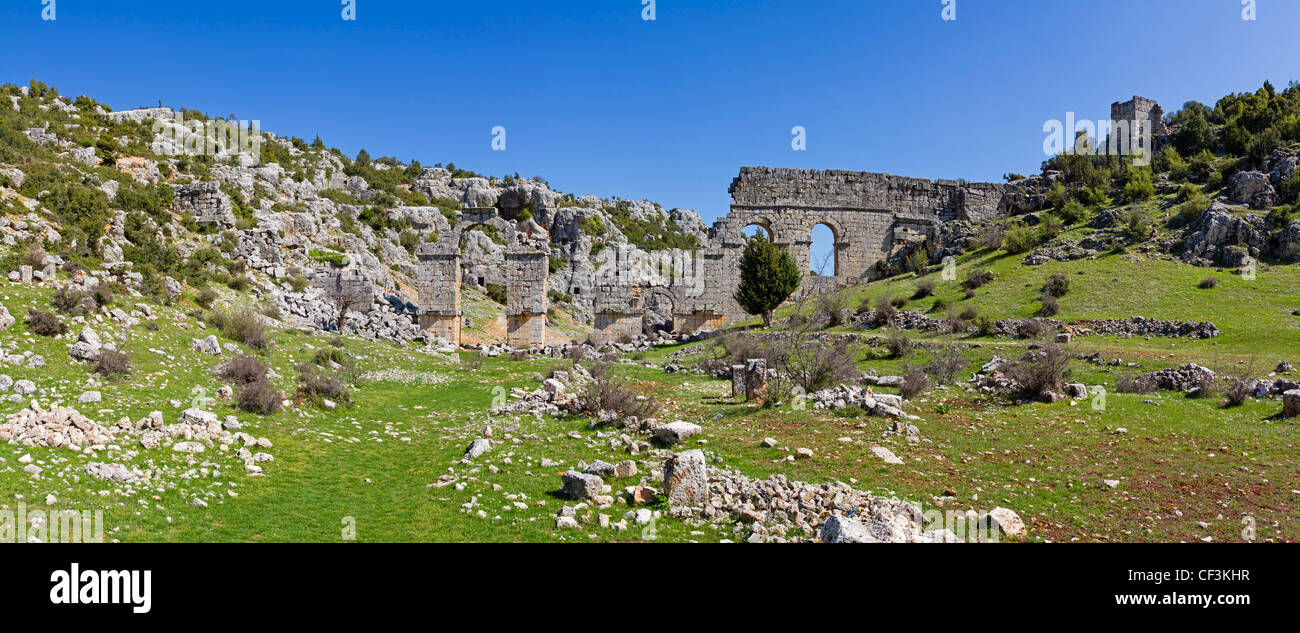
(438, 284)
(686, 482)
(756, 379)
(738, 381)
(526, 272)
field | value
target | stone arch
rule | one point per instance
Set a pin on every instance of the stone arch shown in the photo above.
(834, 255)
(649, 296)
(439, 277)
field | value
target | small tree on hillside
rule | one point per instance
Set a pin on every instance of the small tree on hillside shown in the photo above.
(768, 276)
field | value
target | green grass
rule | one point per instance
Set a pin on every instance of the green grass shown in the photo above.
(380, 462)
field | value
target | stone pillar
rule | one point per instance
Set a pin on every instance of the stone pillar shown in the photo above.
(1291, 403)
(526, 272)
(438, 284)
(738, 381)
(756, 379)
(614, 325)
(686, 482)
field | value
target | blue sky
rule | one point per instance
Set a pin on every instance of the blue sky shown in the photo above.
(596, 100)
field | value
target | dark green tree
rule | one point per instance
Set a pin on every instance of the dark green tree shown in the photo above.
(768, 276)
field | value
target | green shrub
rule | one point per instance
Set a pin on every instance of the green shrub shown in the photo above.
(298, 283)
(1139, 186)
(1057, 285)
(1019, 239)
(331, 257)
(1071, 212)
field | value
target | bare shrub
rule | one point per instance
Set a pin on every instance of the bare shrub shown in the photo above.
(244, 326)
(607, 393)
(898, 343)
(885, 311)
(915, 382)
(33, 256)
(831, 311)
(112, 364)
(1208, 283)
(947, 363)
(43, 323)
(205, 297)
(1035, 328)
(1039, 371)
(988, 237)
(241, 370)
(1238, 392)
(1241, 387)
(977, 278)
(68, 300)
(1206, 387)
(315, 384)
(1134, 384)
(924, 288)
(346, 297)
(815, 363)
(984, 326)
(259, 397)
(1050, 306)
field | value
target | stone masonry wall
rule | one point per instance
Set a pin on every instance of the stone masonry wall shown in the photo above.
(869, 214)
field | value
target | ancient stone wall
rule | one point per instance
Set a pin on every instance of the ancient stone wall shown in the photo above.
(870, 215)
(207, 202)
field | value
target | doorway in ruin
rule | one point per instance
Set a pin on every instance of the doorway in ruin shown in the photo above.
(657, 312)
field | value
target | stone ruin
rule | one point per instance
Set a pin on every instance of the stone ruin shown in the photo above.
(527, 266)
(1145, 113)
(871, 216)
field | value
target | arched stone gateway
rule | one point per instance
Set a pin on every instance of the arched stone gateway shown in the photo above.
(620, 311)
(870, 216)
(439, 276)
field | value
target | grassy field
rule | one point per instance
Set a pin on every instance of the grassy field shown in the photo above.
(389, 466)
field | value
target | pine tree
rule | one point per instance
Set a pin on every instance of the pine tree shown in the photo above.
(768, 276)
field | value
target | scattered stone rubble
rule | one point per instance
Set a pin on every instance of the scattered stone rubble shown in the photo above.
(843, 396)
(1184, 378)
(57, 427)
(779, 509)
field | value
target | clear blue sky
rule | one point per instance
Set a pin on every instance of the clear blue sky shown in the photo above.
(596, 100)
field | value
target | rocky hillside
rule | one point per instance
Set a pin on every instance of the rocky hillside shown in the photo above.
(170, 208)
